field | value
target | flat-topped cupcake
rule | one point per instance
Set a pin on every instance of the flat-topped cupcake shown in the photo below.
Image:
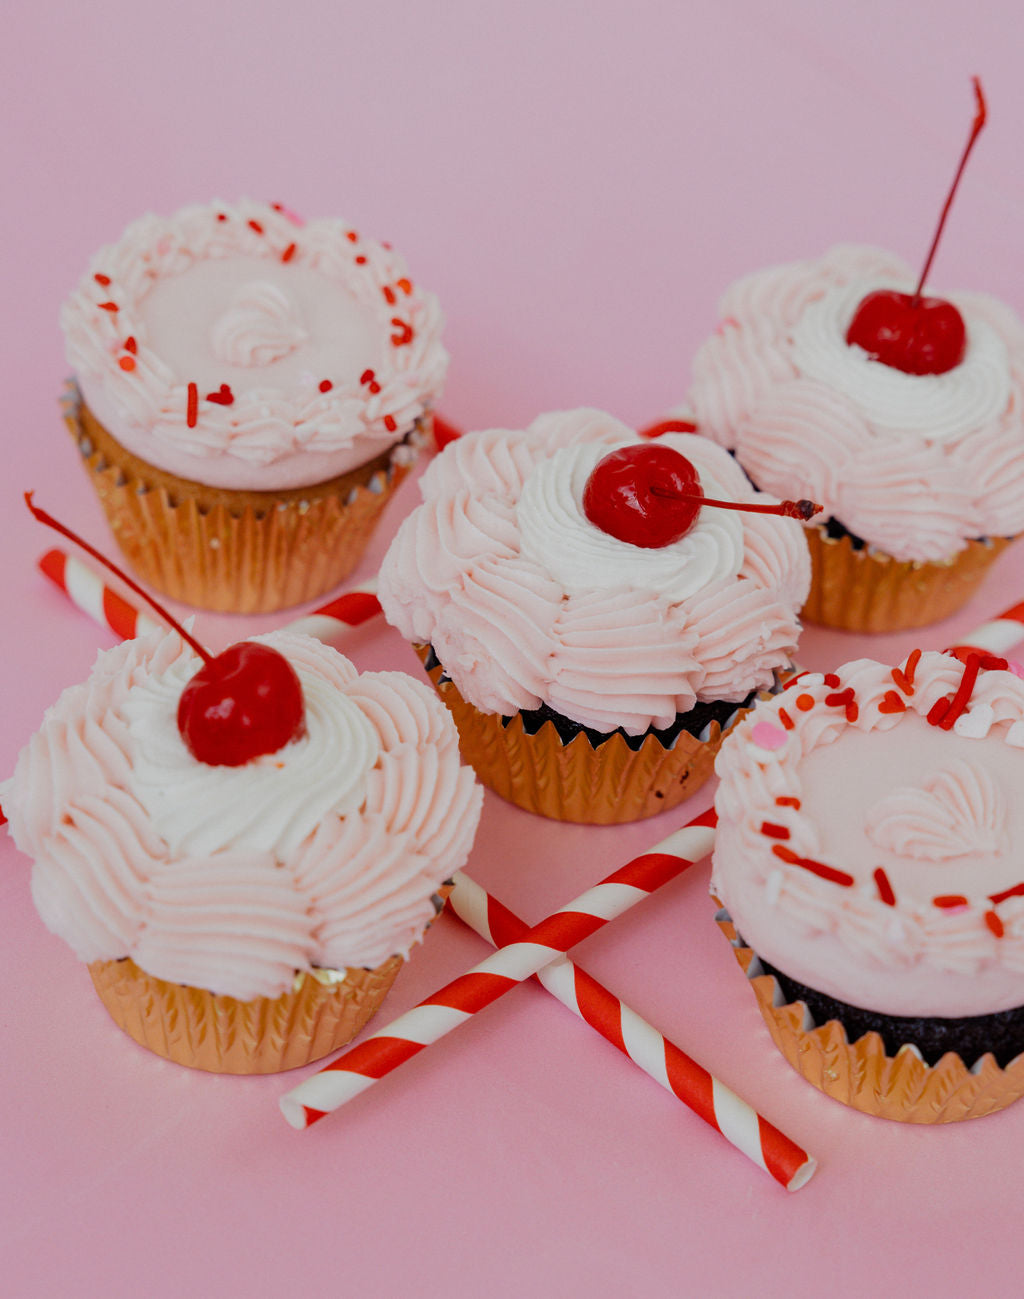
(591, 675)
(241, 914)
(866, 853)
(249, 389)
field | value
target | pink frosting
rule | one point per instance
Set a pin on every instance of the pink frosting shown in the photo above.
(915, 464)
(923, 911)
(328, 352)
(325, 854)
(526, 602)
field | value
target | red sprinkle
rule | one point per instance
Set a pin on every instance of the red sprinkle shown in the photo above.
(841, 698)
(804, 702)
(831, 680)
(852, 713)
(360, 260)
(787, 800)
(366, 376)
(326, 385)
(1015, 892)
(404, 334)
(351, 236)
(774, 831)
(786, 720)
(127, 363)
(994, 923)
(108, 306)
(255, 225)
(815, 867)
(884, 888)
(891, 703)
(100, 278)
(223, 397)
(668, 426)
(389, 423)
(405, 285)
(389, 295)
(222, 216)
(288, 253)
(944, 712)
(192, 409)
(130, 344)
(948, 900)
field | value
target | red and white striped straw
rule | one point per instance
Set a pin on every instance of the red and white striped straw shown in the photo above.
(999, 635)
(384, 1051)
(86, 589)
(661, 1059)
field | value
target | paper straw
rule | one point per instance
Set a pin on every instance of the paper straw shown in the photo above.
(86, 589)
(661, 1059)
(384, 1051)
(996, 637)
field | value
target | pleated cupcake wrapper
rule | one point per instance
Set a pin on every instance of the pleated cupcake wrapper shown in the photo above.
(862, 1075)
(866, 591)
(608, 785)
(223, 1035)
(240, 552)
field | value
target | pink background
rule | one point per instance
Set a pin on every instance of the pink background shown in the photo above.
(578, 182)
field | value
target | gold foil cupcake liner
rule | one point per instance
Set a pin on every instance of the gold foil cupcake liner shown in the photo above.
(867, 591)
(610, 785)
(862, 1075)
(223, 1035)
(235, 551)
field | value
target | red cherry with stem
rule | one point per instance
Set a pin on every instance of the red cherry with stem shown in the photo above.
(904, 330)
(650, 495)
(241, 704)
(245, 702)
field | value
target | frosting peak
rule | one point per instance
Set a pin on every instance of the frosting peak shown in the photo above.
(260, 326)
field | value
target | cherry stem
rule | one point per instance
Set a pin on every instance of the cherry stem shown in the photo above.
(980, 116)
(786, 509)
(51, 522)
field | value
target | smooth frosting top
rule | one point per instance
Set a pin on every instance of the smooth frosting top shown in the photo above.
(527, 602)
(915, 464)
(324, 854)
(869, 832)
(242, 348)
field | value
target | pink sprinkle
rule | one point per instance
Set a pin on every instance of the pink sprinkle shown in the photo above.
(767, 736)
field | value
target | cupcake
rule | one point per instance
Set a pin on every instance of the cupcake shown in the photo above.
(248, 392)
(239, 913)
(591, 676)
(867, 861)
(921, 475)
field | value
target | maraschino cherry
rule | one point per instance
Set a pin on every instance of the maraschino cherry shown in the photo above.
(905, 330)
(242, 703)
(650, 495)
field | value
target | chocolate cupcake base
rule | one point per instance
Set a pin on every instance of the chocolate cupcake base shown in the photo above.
(879, 1077)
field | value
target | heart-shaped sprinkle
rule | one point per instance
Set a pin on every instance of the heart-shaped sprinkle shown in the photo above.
(222, 397)
(891, 702)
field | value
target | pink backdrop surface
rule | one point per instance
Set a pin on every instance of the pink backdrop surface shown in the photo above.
(578, 182)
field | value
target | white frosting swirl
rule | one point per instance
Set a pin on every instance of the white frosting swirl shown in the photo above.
(326, 854)
(261, 325)
(527, 602)
(916, 465)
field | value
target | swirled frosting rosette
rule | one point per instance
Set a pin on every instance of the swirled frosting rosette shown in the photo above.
(233, 358)
(919, 469)
(243, 887)
(865, 853)
(553, 635)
